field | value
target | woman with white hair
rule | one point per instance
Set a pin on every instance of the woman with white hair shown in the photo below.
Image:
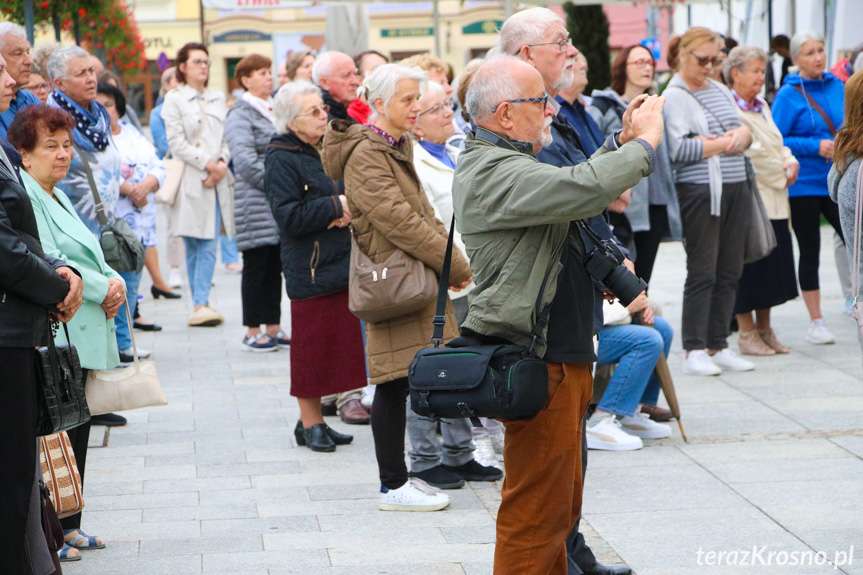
(391, 212)
(770, 281)
(808, 110)
(312, 218)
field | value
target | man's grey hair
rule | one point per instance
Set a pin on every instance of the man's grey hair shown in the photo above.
(801, 38)
(526, 27)
(58, 63)
(492, 84)
(11, 29)
(323, 66)
(287, 104)
(739, 58)
(383, 81)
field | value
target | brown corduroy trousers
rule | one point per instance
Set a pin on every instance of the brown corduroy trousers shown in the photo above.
(541, 494)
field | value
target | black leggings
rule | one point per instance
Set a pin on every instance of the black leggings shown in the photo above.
(262, 286)
(647, 243)
(388, 427)
(806, 221)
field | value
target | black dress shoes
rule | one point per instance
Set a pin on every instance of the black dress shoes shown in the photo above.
(108, 420)
(600, 569)
(332, 436)
(157, 293)
(147, 326)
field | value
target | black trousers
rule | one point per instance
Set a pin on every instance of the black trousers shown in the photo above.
(806, 221)
(647, 243)
(262, 286)
(19, 451)
(79, 437)
(388, 428)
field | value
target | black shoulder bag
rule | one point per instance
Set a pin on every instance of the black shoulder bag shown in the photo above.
(466, 379)
(62, 404)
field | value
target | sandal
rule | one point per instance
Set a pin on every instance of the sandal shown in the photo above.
(64, 556)
(81, 541)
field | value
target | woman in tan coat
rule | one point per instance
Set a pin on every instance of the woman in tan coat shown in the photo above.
(770, 281)
(194, 118)
(390, 211)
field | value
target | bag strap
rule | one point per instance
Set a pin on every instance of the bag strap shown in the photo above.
(440, 312)
(132, 335)
(100, 208)
(818, 108)
(857, 239)
(703, 107)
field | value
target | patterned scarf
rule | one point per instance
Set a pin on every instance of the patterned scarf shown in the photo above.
(390, 140)
(91, 127)
(758, 107)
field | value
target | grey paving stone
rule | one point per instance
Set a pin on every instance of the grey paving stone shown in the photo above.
(469, 534)
(113, 488)
(762, 451)
(143, 473)
(144, 450)
(274, 496)
(281, 468)
(416, 552)
(264, 525)
(853, 444)
(152, 530)
(778, 470)
(403, 569)
(165, 565)
(338, 492)
(355, 539)
(225, 509)
(197, 459)
(197, 546)
(208, 484)
(115, 462)
(604, 497)
(142, 501)
(318, 508)
(309, 558)
(373, 520)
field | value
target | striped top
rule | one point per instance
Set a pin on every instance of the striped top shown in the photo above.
(721, 117)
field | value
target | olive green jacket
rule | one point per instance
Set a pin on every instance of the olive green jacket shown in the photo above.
(513, 213)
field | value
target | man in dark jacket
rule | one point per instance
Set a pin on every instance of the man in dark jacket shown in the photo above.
(574, 308)
(336, 75)
(31, 284)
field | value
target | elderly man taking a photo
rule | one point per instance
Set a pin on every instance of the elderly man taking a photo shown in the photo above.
(513, 213)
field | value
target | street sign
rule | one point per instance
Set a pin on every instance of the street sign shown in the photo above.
(654, 45)
(163, 61)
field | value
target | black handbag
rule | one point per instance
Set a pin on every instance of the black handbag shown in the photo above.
(466, 379)
(62, 404)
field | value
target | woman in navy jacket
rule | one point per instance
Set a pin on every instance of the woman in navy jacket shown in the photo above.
(807, 100)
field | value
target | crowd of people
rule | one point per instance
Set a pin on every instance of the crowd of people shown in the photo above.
(340, 155)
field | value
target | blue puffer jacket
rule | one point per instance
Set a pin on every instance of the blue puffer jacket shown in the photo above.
(803, 128)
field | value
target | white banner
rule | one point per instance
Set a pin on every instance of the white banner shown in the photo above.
(255, 4)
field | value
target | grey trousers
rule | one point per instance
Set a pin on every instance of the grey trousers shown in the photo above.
(427, 452)
(714, 261)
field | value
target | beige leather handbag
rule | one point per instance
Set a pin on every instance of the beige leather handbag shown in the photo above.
(131, 387)
(398, 286)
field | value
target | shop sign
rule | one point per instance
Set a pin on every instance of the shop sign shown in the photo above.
(242, 36)
(482, 27)
(406, 32)
(158, 42)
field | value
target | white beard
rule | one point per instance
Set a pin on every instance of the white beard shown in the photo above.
(567, 77)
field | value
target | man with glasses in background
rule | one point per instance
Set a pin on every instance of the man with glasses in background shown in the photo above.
(16, 50)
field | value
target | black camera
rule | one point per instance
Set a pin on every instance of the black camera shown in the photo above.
(604, 263)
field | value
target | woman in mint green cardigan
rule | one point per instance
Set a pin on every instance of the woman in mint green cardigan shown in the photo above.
(43, 136)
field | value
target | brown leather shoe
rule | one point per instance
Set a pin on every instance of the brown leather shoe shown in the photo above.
(354, 413)
(657, 413)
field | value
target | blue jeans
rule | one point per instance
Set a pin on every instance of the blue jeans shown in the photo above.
(124, 337)
(635, 349)
(201, 262)
(229, 249)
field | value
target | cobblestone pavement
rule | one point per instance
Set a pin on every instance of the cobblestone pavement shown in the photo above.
(214, 483)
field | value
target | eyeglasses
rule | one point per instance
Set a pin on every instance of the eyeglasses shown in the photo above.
(641, 63)
(543, 100)
(562, 44)
(438, 108)
(705, 60)
(316, 111)
(38, 87)
(197, 62)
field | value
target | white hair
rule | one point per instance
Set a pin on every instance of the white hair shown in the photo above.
(323, 66)
(739, 58)
(432, 90)
(383, 81)
(492, 84)
(10, 29)
(526, 27)
(801, 38)
(287, 105)
(58, 63)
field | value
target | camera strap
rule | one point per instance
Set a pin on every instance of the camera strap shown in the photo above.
(440, 311)
(593, 241)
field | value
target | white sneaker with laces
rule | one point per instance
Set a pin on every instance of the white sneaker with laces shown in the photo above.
(818, 334)
(415, 495)
(608, 435)
(640, 425)
(728, 359)
(175, 279)
(484, 452)
(497, 441)
(699, 362)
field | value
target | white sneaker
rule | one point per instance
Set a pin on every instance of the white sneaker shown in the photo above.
(608, 435)
(484, 452)
(415, 495)
(728, 359)
(175, 279)
(497, 440)
(142, 353)
(368, 396)
(699, 362)
(640, 425)
(818, 334)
